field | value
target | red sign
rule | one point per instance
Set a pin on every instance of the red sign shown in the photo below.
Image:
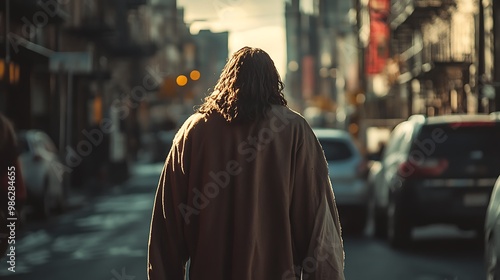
(377, 52)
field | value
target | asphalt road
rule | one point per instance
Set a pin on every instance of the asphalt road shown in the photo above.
(106, 239)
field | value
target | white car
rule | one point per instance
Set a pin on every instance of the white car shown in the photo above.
(492, 234)
(348, 170)
(41, 169)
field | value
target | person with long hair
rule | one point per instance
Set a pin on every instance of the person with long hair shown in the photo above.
(245, 191)
(12, 188)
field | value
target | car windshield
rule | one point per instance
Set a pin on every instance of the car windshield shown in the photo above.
(470, 151)
(336, 150)
(463, 140)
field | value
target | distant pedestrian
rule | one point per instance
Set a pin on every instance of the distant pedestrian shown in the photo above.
(245, 191)
(12, 189)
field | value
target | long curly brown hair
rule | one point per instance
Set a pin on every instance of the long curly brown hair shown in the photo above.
(247, 87)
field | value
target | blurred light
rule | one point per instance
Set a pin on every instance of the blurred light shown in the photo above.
(360, 98)
(333, 72)
(353, 128)
(341, 116)
(472, 72)
(195, 75)
(472, 69)
(181, 80)
(454, 100)
(97, 109)
(17, 73)
(415, 86)
(340, 82)
(379, 84)
(326, 59)
(293, 66)
(12, 73)
(323, 72)
(426, 67)
(2, 69)
(467, 88)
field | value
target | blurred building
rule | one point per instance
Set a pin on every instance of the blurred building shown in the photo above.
(322, 56)
(29, 36)
(338, 61)
(302, 53)
(115, 34)
(81, 70)
(430, 57)
(436, 51)
(212, 55)
(177, 66)
(489, 56)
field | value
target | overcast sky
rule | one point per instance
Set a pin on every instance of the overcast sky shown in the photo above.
(255, 23)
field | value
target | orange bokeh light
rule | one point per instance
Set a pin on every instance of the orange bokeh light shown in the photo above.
(181, 80)
(195, 75)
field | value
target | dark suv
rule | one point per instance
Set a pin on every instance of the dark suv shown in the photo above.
(436, 170)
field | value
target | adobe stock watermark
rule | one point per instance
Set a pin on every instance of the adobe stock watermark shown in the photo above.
(280, 118)
(120, 106)
(326, 249)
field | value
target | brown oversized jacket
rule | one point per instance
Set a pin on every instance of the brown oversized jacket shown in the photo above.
(245, 201)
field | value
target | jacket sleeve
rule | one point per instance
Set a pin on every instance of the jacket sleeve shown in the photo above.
(316, 230)
(167, 251)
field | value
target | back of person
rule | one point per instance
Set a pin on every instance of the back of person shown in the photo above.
(245, 200)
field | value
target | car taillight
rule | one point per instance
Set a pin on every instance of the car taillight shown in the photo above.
(456, 125)
(426, 168)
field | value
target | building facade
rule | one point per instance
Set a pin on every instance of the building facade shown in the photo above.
(85, 67)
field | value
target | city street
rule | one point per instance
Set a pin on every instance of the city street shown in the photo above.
(106, 238)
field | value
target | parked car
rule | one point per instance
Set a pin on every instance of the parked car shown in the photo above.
(436, 170)
(42, 172)
(347, 169)
(492, 235)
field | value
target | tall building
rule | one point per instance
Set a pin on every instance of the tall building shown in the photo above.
(302, 54)
(212, 54)
(322, 57)
(338, 57)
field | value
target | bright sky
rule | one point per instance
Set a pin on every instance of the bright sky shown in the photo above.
(254, 23)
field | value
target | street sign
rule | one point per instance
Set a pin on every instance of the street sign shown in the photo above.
(75, 62)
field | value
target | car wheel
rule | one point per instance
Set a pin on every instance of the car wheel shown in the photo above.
(491, 260)
(398, 226)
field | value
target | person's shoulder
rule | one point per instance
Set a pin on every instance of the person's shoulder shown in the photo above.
(288, 116)
(191, 123)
